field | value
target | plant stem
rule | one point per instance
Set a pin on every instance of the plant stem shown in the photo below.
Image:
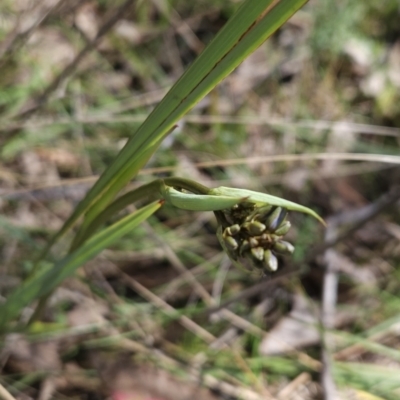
(150, 191)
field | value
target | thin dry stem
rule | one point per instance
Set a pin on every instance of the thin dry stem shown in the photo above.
(169, 310)
(75, 188)
(17, 37)
(146, 99)
(300, 380)
(4, 394)
(200, 290)
(329, 299)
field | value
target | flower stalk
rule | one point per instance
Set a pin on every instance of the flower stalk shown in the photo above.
(251, 224)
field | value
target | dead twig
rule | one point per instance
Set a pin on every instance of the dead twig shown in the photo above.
(357, 219)
(76, 188)
(329, 299)
(230, 390)
(300, 380)
(255, 289)
(4, 394)
(20, 34)
(112, 116)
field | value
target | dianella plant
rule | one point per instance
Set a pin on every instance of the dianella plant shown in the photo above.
(251, 225)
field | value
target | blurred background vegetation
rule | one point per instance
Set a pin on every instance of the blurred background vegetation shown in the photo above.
(312, 116)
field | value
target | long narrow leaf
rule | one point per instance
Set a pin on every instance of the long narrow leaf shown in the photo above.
(189, 89)
(187, 95)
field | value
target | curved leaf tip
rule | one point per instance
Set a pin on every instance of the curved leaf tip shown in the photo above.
(265, 199)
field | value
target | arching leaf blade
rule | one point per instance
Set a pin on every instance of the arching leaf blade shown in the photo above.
(264, 198)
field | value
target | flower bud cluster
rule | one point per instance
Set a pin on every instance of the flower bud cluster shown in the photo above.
(255, 233)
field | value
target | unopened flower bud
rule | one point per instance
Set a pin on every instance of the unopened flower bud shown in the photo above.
(283, 228)
(244, 247)
(274, 219)
(270, 261)
(253, 242)
(230, 242)
(255, 228)
(283, 247)
(232, 230)
(258, 253)
(260, 213)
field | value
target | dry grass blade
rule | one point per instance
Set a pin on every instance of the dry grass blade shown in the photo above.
(170, 311)
(113, 118)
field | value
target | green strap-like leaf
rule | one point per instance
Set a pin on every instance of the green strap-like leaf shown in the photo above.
(233, 44)
(243, 33)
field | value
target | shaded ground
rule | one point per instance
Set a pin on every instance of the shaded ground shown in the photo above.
(311, 116)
